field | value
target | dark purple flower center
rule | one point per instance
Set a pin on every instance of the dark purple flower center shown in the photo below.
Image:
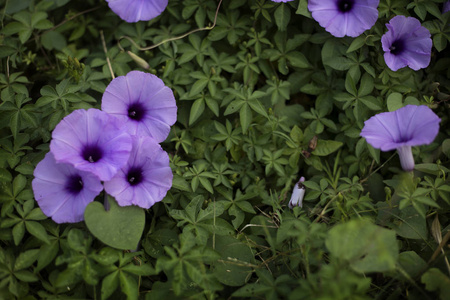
(92, 154)
(136, 111)
(74, 184)
(345, 5)
(134, 176)
(397, 47)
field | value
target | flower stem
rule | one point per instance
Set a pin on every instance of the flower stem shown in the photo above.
(406, 158)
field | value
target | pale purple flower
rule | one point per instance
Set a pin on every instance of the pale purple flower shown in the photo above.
(297, 194)
(406, 43)
(401, 129)
(62, 191)
(92, 141)
(145, 179)
(137, 10)
(344, 17)
(142, 100)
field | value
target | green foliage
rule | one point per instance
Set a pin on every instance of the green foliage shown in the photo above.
(117, 227)
(264, 97)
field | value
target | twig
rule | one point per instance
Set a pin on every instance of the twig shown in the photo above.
(440, 247)
(170, 39)
(106, 54)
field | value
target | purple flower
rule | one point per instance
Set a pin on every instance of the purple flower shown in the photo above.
(92, 141)
(143, 101)
(297, 194)
(407, 126)
(145, 179)
(137, 10)
(62, 191)
(344, 17)
(406, 43)
(446, 7)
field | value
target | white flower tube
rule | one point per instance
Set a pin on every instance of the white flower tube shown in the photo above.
(297, 194)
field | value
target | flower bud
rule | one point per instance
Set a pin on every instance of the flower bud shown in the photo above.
(297, 194)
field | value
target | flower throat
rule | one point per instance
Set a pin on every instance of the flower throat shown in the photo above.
(345, 5)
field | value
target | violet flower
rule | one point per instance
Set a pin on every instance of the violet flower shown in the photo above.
(137, 10)
(143, 101)
(92, 141)
(344, 17)
(406, 43)
(407, 126)
(62, 191)
(297, 194)
(145, 179)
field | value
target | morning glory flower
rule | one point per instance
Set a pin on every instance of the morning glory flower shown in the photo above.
(344, 17)
(145, 179)
(137, 10)
(401, 129)
(406, 43)
(92, 141)
(143, 101)
(62, 191)
(297, 194)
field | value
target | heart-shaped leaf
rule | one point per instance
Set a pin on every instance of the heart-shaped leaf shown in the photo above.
(119, 227)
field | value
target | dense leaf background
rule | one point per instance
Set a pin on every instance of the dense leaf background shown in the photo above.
(265, 97)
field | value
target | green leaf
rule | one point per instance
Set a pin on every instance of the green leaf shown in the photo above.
(394, 101)
(246, 117)
(364, 245)
(435, 280)
(231, 269)
(282, 16)
(119, 227)
(53, 40)
(326, 147)
(26, 259)
(357, 43)
(109, 285)
(197, 109)
(37, 230)
(411, 263)
(129, 286)
(410, 224)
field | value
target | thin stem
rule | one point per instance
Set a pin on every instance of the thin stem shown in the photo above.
(106, 54)
(170, 39)
(376, 170)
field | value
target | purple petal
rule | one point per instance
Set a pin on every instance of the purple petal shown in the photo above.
(410, 125)
(360, 16)
(145, 179)
(52, 190)
(91, 141)
(145, 95)
(381, 131)
(420, 125)
(395, 62)
(137, 10)
(446, 7)
(406, 43)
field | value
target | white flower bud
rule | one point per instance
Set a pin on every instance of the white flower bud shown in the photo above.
(297, 194)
